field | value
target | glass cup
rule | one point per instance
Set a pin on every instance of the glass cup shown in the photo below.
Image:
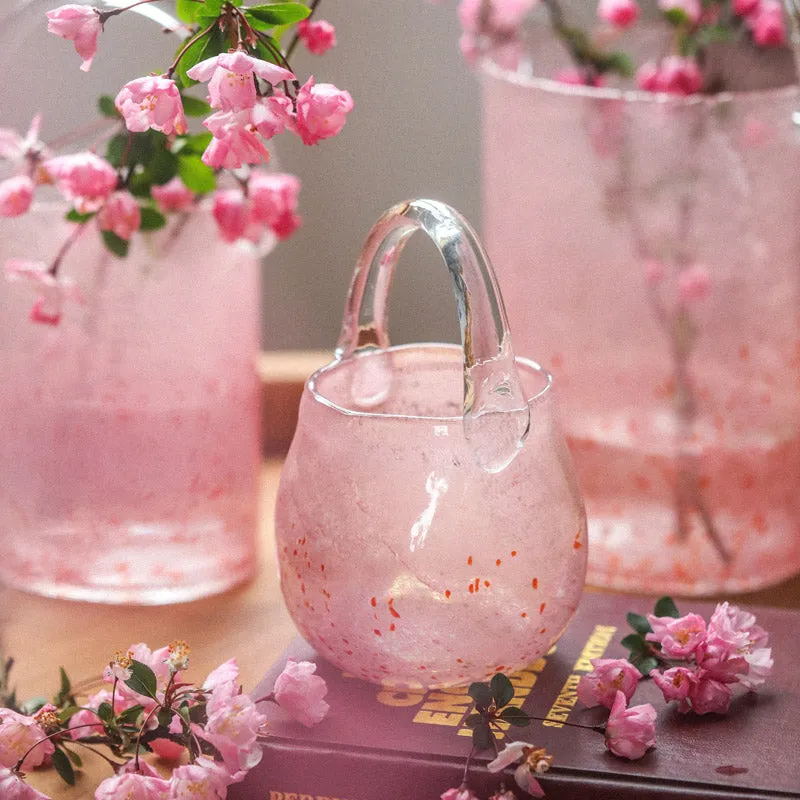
(430, 530)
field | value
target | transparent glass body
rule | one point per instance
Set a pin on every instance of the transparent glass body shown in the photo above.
(129, 432)
(430, 531)
(681, 405)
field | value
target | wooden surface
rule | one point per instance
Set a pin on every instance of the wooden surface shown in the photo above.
(249, 623)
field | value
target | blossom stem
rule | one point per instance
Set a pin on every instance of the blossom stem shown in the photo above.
(196, 38)
(65, 248)
(139, 735)
(267, 698)
(466, 766)
(18, 765)
(114, 764)
(293, 45)
(114, 693)
(106, 15)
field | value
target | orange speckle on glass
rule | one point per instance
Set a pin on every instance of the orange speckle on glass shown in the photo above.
(447, 593)
(376, 631)
(460, 660)
(294, 553)
(513, 554)
(487, 584)
(346, 641)
(524, 614)
(322, 568)
(422, 666)
(576, 545)
(469, 561)
(477, 584)
(500, 668)
(349, 652)
(390, 600)
(498, 562)
(333, 624)
(744, 352)
(542, 608)
(471, 588)
(293, 526)
(393, 612)
(374, 602)
(704, 482)
(535, 583)
(392, 627)
(543, 630)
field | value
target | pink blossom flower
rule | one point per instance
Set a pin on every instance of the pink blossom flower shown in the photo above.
(630, 732)
(14, 148)
(760, 663)
(648, 77)
(300, 693)
(468, 46)
(173, 196)
(691, 8)
(621, 13)
(16, 196)
(576, 77)
(232, 727)
(231, 78)
(120, 215)
(767, 24)
(84, 178)
(87, 716)
(18, 734)
(609, 676)
(535, 761)
(235, 141)
(694, 284)
(462, 793)
(13, 787)
(203, 780)
(78, 23)
(132, 786)
(675, 683)
(274, 201)
(743, 8)
(709, 696)
(231, 210)
(679, 638)
(504, 18)
(156, 660)
(675, 75)
(225, 675)
(317, 35)
(52, 292)
(286, 225)
(152, 102)
(321, 111)
(272, 115)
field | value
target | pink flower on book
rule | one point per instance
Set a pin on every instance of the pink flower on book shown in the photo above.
(300, 693)
(203, 780)
(84, 178)
(152, 102)
(322, 110)
(156, 660)
(80, 24)
(173, 196)
(88, 716)
(18, 734)
(620, 13)
(236, 141)
(317, 35)
(133, 786)
(609, 676)
(708, 696)
(233, 726)
(675, 683)
(767, 24)
(231, 210)
(16, 196)
(679, 638)
(630, 732)
(120, 215)
(52, 292)
(13, 787)
(534, 761)
(231, 78)
(462, 793)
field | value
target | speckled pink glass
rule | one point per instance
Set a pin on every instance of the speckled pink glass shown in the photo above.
(429, 528)
(648, 249)
(129, 432)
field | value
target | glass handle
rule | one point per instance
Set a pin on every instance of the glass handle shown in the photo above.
(496, 414)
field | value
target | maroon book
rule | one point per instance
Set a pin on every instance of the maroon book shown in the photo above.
(382, 744)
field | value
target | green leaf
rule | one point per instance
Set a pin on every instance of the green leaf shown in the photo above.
(63, 766)
(197, 143)
(143, 680)
(66, 686)
(502, 690)
(31, 706)
(482, 737)
(620, 63)
(665, 607)
(264, 52)
(74, 758)
(107, 107)
(644, 665)
(75, 216)
(164, 717)
(516, 716)
(481, 694)
(152, 220)
(639, 623)
(473, 720)
(116, 149)
(198, 714)
(106, 713)
(278, 13)
(634, 642)
(140, 183)
(163, 167)
(194, 107)
(196, 175)
(66, 714)
(677, 17)
(187, 10)
(130, 715)
(212, 44)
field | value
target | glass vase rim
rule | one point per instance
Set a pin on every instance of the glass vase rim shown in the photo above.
(536, 398)
(489, 66)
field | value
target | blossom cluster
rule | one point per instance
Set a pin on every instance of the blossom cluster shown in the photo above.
(211, 733)
(153, 166)
(487, 23)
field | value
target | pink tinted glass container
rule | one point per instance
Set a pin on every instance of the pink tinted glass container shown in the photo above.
(648, 249)
(130, 430)
(429, 527)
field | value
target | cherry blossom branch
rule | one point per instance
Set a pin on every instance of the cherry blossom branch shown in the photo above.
(65, 248)
(106, 15)
(182, 52)
(115, 764)
(141, 731)
(18, 765)
(293, 44)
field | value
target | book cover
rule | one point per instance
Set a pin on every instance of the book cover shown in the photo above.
(382, 744)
